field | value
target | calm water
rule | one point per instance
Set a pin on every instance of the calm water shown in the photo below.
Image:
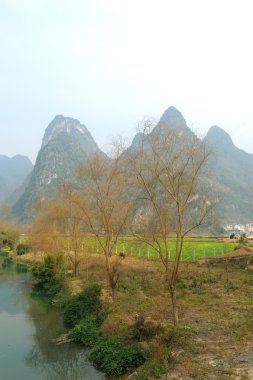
(27, 327)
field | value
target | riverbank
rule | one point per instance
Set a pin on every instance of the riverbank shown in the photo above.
(28, 328)
(214, 338)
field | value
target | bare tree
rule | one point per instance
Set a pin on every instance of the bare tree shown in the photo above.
(168, 166)
(58, 229)
(101, 194)
(71, 225)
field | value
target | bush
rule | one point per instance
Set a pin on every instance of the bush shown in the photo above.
(22, 249)
(113, 358)
(143, 329)
(22, 268)
(86, 331)
(84, 312)
(8, 235)
(7, 245)
(79, 306)
(229, 286)
(8, 261)
(158, 366)
(5, 248)
(243, 238)
(177, 336)
(49, 275)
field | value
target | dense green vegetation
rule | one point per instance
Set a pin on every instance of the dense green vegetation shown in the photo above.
(22, 249)
(82, 304)
(49, 275)
(112, 357)
(109, 354)
(7, 262)
(86, 331)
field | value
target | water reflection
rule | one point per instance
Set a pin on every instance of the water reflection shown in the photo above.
(69, 363)
(27, 328)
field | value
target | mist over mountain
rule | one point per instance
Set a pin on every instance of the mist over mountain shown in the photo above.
(13, 172)
(231, 170)
(3, 190)
(171, 119)
(67, 143)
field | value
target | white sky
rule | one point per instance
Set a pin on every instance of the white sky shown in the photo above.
(108, 63)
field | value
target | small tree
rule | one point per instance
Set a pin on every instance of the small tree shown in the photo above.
(73, 227)
(167, 166)
(49, 275)
(101, 194)
(243, 238)
(9, 235)
(45, 234)
(58, 222)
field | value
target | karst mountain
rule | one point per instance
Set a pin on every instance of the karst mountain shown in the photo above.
(67, 143)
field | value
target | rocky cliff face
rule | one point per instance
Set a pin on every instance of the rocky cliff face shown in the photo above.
(65, 145)
(72, 128)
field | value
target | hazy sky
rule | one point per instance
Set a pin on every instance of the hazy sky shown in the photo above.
(108, 63)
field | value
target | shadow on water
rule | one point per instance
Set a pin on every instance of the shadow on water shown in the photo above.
(28, 326)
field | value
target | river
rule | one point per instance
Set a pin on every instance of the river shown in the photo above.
(27, 327)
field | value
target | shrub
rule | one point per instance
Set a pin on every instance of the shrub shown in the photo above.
(73, 310)
(5, 248)
(143, 329)
(86, 331)
(8, 235)
(113, 358)
(49, 275)
(22, 268)
(22, 249)
(7, 245)
(158, 366)
(243, 238)
(178, 336)
(79, 306)
(229, 286)
(8, 261)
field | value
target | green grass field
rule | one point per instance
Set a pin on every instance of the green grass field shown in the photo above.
(194, 248)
